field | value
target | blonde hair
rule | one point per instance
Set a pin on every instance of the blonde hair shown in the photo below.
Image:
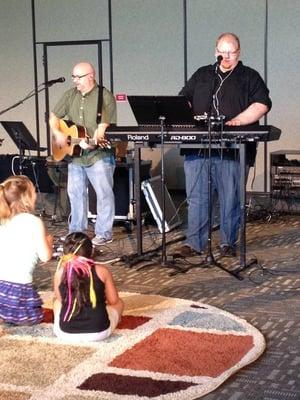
(17, 195)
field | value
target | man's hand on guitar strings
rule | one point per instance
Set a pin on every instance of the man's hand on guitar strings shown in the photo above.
(100, 139)
(84, 144)
(104, 144)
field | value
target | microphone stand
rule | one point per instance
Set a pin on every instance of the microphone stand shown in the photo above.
(218, 121)
(28, 96)
(164, 261)
(21, 154)
(21, 148)
(163, 198)
(20, 143)
(210, 257)
(211, 120)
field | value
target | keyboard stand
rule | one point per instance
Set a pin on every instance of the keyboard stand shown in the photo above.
(137, 185)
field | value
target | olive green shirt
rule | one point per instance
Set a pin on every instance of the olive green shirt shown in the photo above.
(82, 110)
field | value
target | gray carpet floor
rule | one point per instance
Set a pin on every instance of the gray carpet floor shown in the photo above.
(267, 295)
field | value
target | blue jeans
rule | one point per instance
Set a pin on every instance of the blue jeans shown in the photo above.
(100, 175)
(225, 183)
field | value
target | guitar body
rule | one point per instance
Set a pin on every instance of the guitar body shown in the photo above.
(74, 134)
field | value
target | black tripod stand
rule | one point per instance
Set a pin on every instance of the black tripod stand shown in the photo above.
(22, 137)
(168, 111)
(217, 121)
(219, 131)
(164, 261)
(214, 119)
(213, 123)
(24, 141)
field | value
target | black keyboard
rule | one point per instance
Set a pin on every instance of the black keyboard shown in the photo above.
(192, 134)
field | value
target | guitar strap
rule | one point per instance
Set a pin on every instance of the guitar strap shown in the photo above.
(100, 103)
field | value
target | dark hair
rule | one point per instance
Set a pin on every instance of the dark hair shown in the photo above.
(79, 244)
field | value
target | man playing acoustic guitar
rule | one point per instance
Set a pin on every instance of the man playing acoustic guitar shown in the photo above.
(91, 108)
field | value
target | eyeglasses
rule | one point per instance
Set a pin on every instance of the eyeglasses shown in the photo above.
(229, 53)
(79, 76)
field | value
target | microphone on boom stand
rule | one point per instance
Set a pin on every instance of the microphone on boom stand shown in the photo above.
(53, 81)
(218, 63)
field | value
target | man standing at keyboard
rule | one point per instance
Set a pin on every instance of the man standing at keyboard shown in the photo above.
(94, 108)
(237, 92)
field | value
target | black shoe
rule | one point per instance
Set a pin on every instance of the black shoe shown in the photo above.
(228, 251)
(185, 251)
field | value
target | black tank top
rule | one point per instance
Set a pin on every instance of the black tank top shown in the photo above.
(89, 320)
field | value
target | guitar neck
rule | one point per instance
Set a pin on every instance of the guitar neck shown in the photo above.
(74, 141)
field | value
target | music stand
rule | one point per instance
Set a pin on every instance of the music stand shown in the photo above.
(148, 109)
(22, 138)
(162, 111)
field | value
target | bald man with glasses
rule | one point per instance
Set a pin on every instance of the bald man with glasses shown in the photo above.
(93, 107)
(230, 89)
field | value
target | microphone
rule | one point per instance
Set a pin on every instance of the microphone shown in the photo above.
(218, 63)
(53, 81)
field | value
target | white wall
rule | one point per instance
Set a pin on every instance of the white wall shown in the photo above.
(16, 67)
(283, 72)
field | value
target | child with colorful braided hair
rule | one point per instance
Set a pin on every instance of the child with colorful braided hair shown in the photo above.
(23, 242)
(87, 305)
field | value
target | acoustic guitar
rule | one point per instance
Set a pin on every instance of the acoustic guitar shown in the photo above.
(74, 135)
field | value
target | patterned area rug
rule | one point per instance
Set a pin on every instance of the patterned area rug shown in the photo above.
(164, 348)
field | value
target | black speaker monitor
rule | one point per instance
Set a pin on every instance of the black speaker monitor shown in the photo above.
(123, 189)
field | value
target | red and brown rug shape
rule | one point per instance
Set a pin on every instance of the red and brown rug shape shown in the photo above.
(164, 348)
